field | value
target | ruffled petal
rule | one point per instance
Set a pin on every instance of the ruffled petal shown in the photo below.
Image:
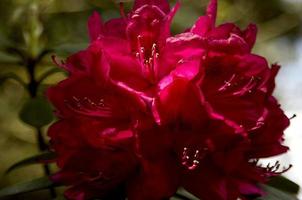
(273, 125)
(162, 4)
(206, 23)
(212, 11)
(202, 26)
(95, 26)
(250, 35)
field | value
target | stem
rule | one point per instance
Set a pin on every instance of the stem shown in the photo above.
(43, 147)
(33, 89)
(33, 84)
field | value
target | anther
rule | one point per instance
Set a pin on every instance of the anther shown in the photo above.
(227, 83)
(191, 163)
(292, 117)
(88, 107)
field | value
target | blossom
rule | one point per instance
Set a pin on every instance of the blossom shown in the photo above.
(143, 113)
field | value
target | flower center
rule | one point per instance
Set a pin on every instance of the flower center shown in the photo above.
(191, 159)
(148, 58)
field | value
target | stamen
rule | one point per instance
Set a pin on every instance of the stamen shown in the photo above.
(87, 107)
(258, 125)
(292, 117)
(137, 143)
(60, 63)
(227, 83)
(148, 60)
(153, 50)
(99, 177)
(141, 50)
(274, 169)
(137, 55)
(181, 61)
(252, 83)
(101, 103)
(139, 42)
(191, 163)
(271, 170)
(155, 22)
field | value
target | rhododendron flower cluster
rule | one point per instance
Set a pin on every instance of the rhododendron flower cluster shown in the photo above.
(144, 113)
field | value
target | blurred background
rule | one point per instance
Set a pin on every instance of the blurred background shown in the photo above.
(33, 30)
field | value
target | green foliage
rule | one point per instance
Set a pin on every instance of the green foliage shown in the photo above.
(60, 198)
(278, 188)
(67, 49)
(42, 158)
(49, 73)
(284, 184)
(12, 76)
(276, 194)
(183, 194)
(25, 187)
(36, 112)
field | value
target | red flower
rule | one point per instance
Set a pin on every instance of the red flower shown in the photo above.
(143, 113)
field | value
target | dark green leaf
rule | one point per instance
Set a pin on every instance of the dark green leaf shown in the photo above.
(66, 6)
(30, 186)
(108, 4)
(284, 184)
(12, 76)
(105, 4)
(45, 157)
(119, 1)
(42, 88)
(6, 58)
(60, 198)
(275, 194)
(36, 112)
(68, 49)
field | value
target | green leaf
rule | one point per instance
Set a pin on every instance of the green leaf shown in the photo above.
(36, 112)
(105, 4)
(276, 194)
(25, 187)
(284, 184)
(60, 198)
(180, 196)
(12, 76)
(6, 58)
(66, 6)
(183, 194)
(45, 157)
(108, 4)
(49, 73)
(67, 49)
